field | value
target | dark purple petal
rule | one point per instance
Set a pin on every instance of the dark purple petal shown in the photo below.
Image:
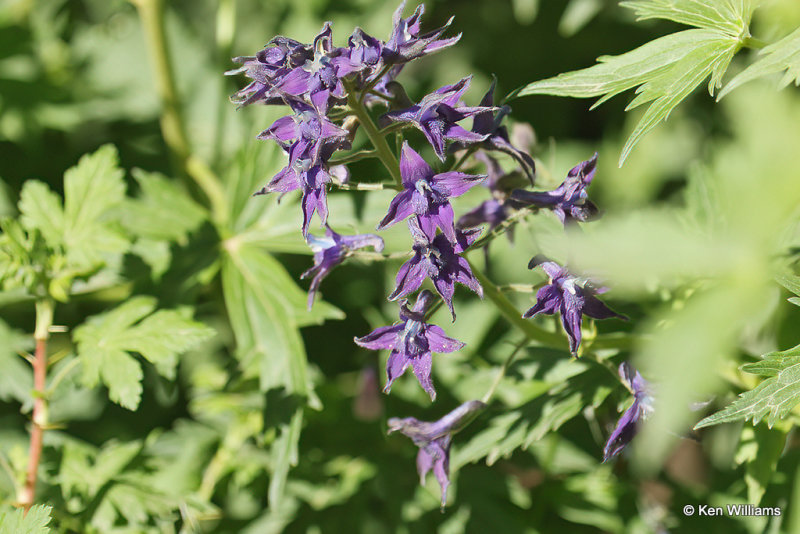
(412, 167)
(455, 184)
(442, 215)
(548, 302)
(441, 343)
(594, 307)
(382, 338)
(624, 432)
(422, 370)
(395, 366)
(571, 318)
(399, 208)
(409, 278)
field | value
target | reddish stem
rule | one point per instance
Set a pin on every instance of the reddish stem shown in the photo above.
(39, 408)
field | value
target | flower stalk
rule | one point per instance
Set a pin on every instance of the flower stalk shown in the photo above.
(382, 149)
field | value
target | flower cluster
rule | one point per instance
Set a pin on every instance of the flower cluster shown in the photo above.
(329, 92)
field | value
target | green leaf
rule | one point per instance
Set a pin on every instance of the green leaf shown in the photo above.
(773, 398)
(105, 342)
(40, 209)
(85, 470)
(92, 189)
(729, 16)
(84, 229)
(760, 449)
(781, 56)
(665, 71)
(163, 211)
(16, 379)
(34, 522)
(269, 344)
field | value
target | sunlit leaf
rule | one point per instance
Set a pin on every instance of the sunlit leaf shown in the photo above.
(778, 57)
(772, 399)
(105, 342)
(18, 522)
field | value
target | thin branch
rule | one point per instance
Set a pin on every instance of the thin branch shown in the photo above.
(44, 319)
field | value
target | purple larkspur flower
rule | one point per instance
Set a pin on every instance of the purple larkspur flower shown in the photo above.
(267, 69)
(436, 116)
(427, 194)
(439, 260)
(628, 424)
(569, 200)
(407, 43)
(495, 210)
(571, 296)
(310, 123)
(489, 123)
(317, 73)
(411, 342)
(330, 251)
(434, 440)
(305, 172)
(363, 53)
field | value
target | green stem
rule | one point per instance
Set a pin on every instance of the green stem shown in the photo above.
(384, 153)
(503, 370)
(513, 316)
(44, 319)
(755, 44)
(467, 153)
(355, 156)
(151, 13)
(502, 228)
(380, 186)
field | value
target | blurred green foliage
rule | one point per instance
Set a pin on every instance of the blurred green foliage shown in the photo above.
(231, 408)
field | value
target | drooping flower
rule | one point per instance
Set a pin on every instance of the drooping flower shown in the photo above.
(436, 116)
(571, 296)
(628, 424)
(427, 194)
(406, 43)
(411, 342)
(330, 251)
(569, 200)
(439, 260)
(488, 123)
(305, 172)
(434, 440)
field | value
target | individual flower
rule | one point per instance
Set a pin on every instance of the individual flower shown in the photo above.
(434, 439)
(628, 424)
(317, 73)
(571, 297)
(306, 173)
(439, 260)
(330, 251)
(411, 342)
(309, 123)
(436, 116)
(363, 53)
(427, 194)
(406, 43)
(568, 201)
(488, 123)
(267, 70)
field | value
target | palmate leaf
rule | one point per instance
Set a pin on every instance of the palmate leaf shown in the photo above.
(105, 342)
(34, 522)
(83, 228)
(729, 16)
(665, 70)
(269, 344)
(771, 399)
(781, 56)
